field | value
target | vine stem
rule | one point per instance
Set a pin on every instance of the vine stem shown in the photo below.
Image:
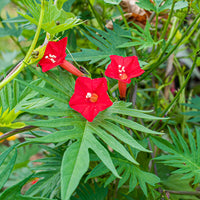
(28, 55)
(96, 15)
(168, 20)
(156, 28)
(13, 132)
(160, 60)
(183, 86)
(123, 17)
(167, 109)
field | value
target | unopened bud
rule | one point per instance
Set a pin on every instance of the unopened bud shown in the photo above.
(82, 69)
(57, 23)
(35, 54)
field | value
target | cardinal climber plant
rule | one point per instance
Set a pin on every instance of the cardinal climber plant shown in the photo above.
(123, 69)
(111, 129)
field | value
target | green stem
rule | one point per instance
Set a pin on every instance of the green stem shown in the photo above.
(123, 17)
(159, 61)
(167, 109)
(156, 28)
(28, 55)
(195, 27)
(168, 20)
(96, 15)
(15, 131)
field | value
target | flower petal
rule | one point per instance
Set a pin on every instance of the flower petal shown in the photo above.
(128, 65)
(54, 54)
(82, 104)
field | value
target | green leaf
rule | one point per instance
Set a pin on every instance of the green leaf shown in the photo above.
(113, 143)
(9, 29)
(7, 118)
(168, 4)
(102, 153)
(147, 5)
(146, 41)
(131, 124)
(22, 197)
(107, 42)
(176, 183)
(55, 123)
(4, 175)
(88, 192)
(6, 153)
(74, 165)
(194, 115)
(11, 192)
(113, 2)
(48, 173)
(127, 171)
(183, 156)
(134, 113)
(87, 136)
(52, 14)
(46, 92)
(54, 82)
(122, 135)
(59, 136)
(60, 3)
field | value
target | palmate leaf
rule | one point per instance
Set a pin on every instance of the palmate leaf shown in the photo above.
(13, 98)
(128, 172)
(10, 29)
(48, 174)
(13, 193)
(52, 14)
(7, 166)
(83, 135)
(176, 183)
(107, 42)
(183, 156)
(195, 115)
(86, 192)
(158, 7)
(143, 40)
(13, 101)
(75, 161)
(7, 118)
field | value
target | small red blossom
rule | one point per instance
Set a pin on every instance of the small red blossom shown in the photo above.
(54, 55)
(123, 68)
(90, 97)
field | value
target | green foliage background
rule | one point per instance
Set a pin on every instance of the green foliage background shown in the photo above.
(141, 148)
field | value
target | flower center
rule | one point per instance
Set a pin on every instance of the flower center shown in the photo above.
(93, 97)
(51, 58)
(122, 72)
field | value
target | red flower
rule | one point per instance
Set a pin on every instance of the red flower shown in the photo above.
(123, 69)
(54, 55)
(90, 97)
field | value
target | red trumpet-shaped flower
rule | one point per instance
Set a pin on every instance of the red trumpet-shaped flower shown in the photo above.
(123, 69)
(54, 55)
(90, 97)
